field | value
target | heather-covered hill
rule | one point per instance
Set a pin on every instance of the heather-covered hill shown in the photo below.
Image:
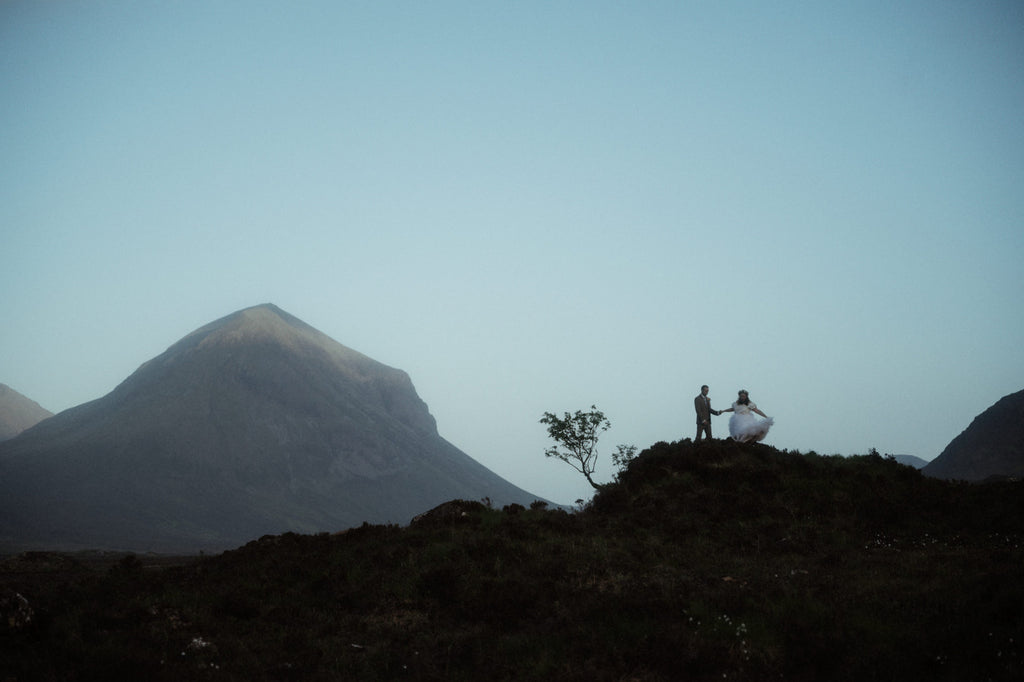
(18, 412)
(711, 562)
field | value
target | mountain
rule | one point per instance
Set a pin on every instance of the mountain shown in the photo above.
(911, 461)
(992, 446)
(256, 423)
(17, 412)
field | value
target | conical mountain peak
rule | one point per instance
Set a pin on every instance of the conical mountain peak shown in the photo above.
(253, 340)
(255, 423)
(264, 324)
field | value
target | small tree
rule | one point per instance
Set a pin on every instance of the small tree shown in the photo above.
(623, 455)
(577, 434)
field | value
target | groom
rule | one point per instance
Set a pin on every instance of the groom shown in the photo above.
(702, 404)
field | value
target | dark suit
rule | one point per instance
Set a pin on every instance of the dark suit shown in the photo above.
(702, 404)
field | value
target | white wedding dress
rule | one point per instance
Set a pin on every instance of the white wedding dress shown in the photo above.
(745, 426)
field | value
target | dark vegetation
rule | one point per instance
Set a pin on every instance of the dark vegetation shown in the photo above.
(711, 562)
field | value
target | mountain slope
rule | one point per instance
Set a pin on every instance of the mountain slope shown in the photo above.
(256, 423)
(18, 413)
(992, 446)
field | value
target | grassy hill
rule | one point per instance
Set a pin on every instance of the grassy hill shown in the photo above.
(711, 562)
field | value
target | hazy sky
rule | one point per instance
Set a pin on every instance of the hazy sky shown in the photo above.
(533, 206)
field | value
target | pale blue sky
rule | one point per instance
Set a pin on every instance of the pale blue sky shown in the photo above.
(533, 206)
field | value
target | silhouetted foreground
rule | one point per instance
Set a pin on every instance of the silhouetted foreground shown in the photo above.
(719, 561)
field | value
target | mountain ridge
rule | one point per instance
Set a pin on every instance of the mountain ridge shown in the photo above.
(911, 461)
(18, 412)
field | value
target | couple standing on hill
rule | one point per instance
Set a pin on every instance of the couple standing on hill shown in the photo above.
(743, 425)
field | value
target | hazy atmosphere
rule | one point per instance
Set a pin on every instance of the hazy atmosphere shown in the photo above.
(533, 207)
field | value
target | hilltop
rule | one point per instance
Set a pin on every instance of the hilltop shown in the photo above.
(710, 562)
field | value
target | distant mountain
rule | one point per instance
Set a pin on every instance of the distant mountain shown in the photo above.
(911, 461)
(991, 447)
(18, 413)
(256, 423)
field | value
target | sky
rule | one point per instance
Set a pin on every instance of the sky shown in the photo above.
(533, 207)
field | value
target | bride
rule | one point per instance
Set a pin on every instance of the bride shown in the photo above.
(743, 425)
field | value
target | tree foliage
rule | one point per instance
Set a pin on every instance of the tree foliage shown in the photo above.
(576, 437)
(623, 455)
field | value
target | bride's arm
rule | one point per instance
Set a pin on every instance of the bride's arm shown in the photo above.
(754, 409)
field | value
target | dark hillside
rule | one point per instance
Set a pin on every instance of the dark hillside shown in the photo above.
(991, 447)
(722, 561)
(760, 487)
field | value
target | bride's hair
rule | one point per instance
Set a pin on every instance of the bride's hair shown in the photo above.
(743, 398)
